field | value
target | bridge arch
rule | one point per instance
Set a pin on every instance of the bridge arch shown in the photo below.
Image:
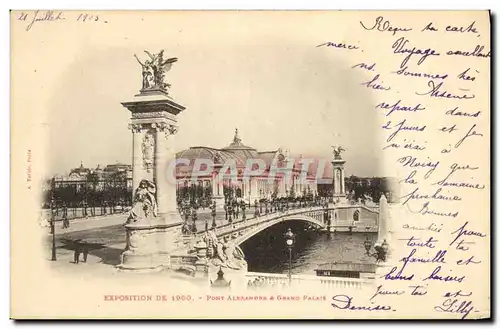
(315, 219)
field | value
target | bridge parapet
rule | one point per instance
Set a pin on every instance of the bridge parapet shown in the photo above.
(265, 280)
(257, 224)
(231, 235)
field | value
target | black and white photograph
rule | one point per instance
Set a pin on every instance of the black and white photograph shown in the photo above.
(229, 164)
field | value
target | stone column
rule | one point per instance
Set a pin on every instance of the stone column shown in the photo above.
(162, 189)
(383, 231)
(214, 184)
(254, 190)
(343, 181)
(136, 155)
(338, 180)
(151, 239)
(218, 188)
(170, 157)
(220, 184)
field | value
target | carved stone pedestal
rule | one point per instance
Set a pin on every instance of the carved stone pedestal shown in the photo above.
(140, 252)
(149, 247)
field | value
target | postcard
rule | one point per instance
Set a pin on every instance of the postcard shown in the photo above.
(250, 165)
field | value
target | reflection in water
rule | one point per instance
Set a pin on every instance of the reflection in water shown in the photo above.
(267, 251)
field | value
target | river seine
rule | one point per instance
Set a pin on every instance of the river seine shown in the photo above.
(267, 251)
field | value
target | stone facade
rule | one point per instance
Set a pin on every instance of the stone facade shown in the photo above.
(253, 188)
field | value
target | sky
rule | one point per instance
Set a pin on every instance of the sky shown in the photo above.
(278, 89)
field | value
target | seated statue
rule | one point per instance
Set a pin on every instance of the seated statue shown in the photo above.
(144, 206)
(222, 254)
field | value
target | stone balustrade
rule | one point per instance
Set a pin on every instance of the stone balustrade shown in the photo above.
(335, 283)
(235, 227)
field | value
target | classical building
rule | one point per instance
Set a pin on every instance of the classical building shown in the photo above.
(252, 188)
(80, 176)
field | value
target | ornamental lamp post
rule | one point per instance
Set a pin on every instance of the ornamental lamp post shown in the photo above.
(214, 214)
(230, 212)
(195, 217)
(186, 213)
(243, 208)
(290, 241)
(381, 250)
(53, 225)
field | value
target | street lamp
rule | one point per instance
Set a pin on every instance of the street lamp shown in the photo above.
(289, 240)
(230, 212)
(243, 208)
(194, 218)
(225, 208)
(187, 213)
(214, 224)
(381, 250)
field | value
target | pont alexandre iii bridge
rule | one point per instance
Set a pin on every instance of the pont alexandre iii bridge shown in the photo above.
(200, 253)
(155, 239)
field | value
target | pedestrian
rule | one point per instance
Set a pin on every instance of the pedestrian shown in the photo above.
(84, 210)
(65, 222)
(92, 209)
(65, 209)
(85, 252)
(76, 258)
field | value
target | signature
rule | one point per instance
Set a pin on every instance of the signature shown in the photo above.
(453, 305)
(344, 302)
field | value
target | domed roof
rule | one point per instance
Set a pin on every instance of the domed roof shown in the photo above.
(239, 148)
(80, 170)
(202, 152)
